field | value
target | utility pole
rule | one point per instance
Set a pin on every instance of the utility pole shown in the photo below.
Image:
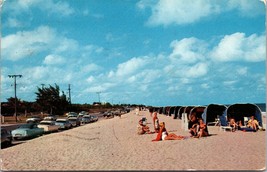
(98, 96)
(15, 88)
(69, 94)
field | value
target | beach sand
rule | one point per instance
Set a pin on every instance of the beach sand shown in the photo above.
(113, 144)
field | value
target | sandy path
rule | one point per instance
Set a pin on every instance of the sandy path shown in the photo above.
(113, 144)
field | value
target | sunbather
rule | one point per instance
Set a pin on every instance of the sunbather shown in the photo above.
(203, 130)
(193, 125)
(253, 123)
(164, 135)
(142, 128)
(233, 124)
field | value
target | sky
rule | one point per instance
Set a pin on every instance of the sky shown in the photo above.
(151, 52)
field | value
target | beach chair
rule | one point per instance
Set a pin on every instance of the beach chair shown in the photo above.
(224, 124)
(215, 123)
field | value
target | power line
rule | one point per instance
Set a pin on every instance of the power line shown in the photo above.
(15, 88)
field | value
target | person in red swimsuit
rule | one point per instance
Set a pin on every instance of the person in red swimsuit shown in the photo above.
(164, 135)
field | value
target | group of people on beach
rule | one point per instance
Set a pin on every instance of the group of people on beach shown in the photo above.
(252, 124)
(197, 128)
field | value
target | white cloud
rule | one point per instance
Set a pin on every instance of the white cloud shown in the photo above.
(168, 12)
(242, 71)
(90, 68)
(53, 60)
(131, 66)
(238, 47)
(61, 8)
(12, 22)
(198, 70)
(26, 43)
(188, 50)
(180, 12)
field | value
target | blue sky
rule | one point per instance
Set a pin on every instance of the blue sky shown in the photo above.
(165, 52)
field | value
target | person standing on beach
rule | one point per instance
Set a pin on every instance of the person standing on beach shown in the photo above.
(164, 135)
(156, 122)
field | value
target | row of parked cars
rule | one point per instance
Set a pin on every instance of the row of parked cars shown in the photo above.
(35, 126)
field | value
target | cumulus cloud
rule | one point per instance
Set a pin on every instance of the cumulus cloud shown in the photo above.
(24, 44)
(167, 12)
(237, 47)
(131, 66)
(61, 8)
(188, 50)
(53, 60)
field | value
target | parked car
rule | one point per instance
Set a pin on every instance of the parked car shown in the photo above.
(74, 121)
(82, 113)
(94, 118)
(26, 131)
(108, 114)
(6, 137)
(48, 126)
(49, 118)
(34, 119)
(71, 114)
(86, 119)
(63, 123)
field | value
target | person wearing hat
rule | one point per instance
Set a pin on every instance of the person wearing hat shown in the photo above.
(164, 135)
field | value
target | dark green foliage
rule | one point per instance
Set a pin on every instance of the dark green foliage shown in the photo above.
(51, 101)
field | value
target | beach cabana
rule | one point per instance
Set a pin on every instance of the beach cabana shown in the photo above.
(185, 118)
(180, 112)
(199, 110)
(214, 112)
(176, 110)
(171, 110)
(239, 111)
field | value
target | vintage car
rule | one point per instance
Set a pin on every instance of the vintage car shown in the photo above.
(82, 113)
(71, 114)
(49, 118)
(6, 137)
(74, 121)
(33, 119)
(63, 123)
(48, 126)
(94, 118)
(86, 119)
(26, 131)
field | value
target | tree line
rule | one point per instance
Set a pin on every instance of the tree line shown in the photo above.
(49, 100)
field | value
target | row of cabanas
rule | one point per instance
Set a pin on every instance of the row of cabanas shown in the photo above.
(212, 112)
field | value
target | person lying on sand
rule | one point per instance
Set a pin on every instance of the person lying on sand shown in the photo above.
(143, 128)
(164, 135)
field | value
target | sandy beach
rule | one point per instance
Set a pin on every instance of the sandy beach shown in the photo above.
(113, 144)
